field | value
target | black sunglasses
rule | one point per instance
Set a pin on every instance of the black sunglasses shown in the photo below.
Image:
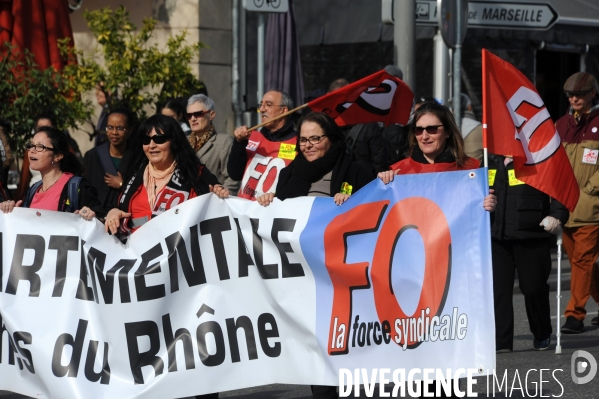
(576, 93)
(433, 129)
(158, 139)
(197, 114)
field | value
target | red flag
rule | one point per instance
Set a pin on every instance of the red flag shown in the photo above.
(519, 125)
(37, 26)
(380, 97)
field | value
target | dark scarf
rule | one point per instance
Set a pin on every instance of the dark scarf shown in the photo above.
(286, 132)
(445, 157)
(315, 170)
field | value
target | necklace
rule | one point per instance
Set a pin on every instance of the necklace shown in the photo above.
(42, 186)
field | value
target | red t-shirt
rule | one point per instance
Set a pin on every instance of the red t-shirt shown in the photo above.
(49, 199)
(409, 166)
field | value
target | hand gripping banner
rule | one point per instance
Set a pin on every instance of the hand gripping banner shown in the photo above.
(216, 295)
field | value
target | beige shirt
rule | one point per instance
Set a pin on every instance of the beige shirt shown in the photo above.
(322, 187)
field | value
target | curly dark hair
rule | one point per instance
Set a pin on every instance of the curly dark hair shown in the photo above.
(60, 144)
(455, 142)
(328, 125)
(188, 162)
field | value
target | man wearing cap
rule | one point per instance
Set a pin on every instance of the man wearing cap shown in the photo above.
(579, 131)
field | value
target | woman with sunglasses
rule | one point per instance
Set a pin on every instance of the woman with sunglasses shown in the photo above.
(167, 165)
(212, 148)
(435, 145)
(48, 153)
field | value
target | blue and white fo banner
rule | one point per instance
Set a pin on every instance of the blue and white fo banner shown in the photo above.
(216, 295)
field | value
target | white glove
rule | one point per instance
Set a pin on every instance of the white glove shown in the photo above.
(551, 224)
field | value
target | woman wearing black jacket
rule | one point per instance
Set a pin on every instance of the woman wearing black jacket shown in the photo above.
(521, 235)
(322, 167)
(106, 164)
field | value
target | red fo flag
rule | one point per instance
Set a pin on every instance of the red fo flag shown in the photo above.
(380, 97)
(518, 124)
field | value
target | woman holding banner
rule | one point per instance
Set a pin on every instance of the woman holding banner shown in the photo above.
(166, 168)
(61, 188)
(322, 168)
(436, 145)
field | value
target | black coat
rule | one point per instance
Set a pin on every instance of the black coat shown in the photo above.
(94, 173)
(370, 148)
(520, 208)
(345, 170)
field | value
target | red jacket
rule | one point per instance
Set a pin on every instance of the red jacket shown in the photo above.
(409, 166)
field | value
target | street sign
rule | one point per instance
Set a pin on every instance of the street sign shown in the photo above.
(511, 15)
(426, 12)
(490, 14)
(448, 20)
(266, 5)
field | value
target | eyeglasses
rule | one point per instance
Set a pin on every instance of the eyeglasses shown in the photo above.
(197, 114)
(312, 140)
(268, 104)
(158, 139)
(117, 128)
(38, 147)
(434, 129)
(576, 93)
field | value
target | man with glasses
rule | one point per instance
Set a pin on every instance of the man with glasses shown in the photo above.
(579, 131)
(257, 157)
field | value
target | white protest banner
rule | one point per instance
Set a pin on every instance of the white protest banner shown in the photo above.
(216, 295)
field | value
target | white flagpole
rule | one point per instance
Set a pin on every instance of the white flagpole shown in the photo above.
(558, 347)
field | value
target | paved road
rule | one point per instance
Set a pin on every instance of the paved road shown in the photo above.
(514, 366)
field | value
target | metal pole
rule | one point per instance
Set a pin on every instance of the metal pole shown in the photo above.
(457, 73)
(558, 346)
(404, 37)
(260, 89)
(442, 69)
(235, 80)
